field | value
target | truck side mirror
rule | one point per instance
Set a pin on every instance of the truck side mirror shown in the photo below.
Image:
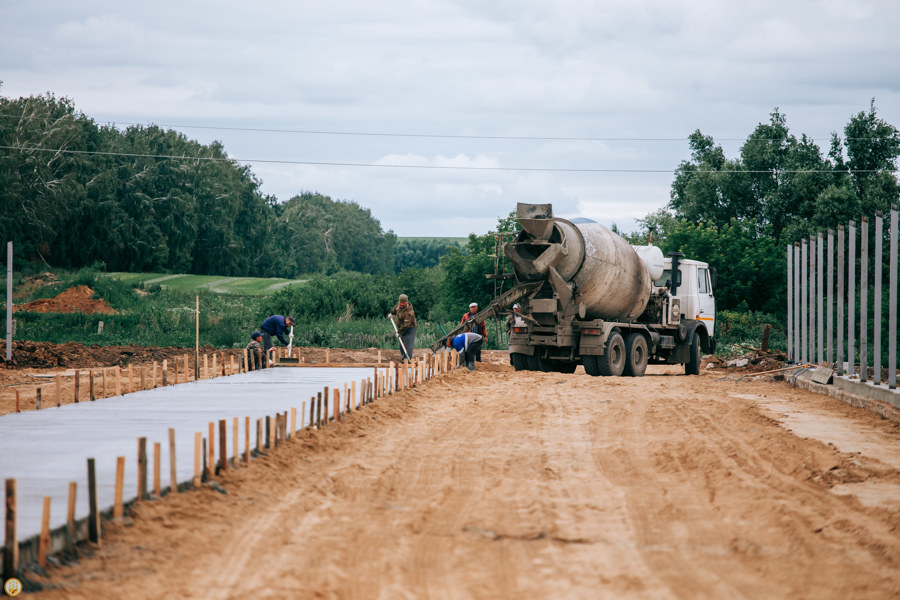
(712, 277)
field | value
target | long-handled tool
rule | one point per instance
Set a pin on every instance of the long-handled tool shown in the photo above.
(399, 339)
(290, 340)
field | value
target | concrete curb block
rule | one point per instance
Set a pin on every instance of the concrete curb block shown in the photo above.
(880, 407)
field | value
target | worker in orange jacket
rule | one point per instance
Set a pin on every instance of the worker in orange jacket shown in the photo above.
(479, 328)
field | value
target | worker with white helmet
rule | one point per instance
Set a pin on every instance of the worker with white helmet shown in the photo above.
(478, 328)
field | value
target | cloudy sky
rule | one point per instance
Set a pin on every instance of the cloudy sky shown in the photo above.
(439, 115)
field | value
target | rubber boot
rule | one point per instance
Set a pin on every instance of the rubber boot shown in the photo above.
(471, 365)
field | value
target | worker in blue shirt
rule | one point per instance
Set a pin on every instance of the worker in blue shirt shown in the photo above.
(276, 325)
(468, 345)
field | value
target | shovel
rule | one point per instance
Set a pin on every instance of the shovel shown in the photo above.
(397, 333)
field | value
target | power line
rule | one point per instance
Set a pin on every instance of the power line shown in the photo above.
(426, 135)
(389, 166)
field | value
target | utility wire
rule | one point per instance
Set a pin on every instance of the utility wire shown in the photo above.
(389, 166)
(425, 135)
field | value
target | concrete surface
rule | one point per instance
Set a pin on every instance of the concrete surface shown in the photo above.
(45, 450)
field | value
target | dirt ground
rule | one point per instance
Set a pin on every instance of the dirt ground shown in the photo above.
(498, 484)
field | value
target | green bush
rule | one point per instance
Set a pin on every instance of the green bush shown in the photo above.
(738, 330)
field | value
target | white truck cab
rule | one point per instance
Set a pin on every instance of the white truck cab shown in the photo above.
(694, 289)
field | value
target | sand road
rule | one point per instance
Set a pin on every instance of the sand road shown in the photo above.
(499, 484)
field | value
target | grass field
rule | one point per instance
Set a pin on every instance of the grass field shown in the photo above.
(247, 286)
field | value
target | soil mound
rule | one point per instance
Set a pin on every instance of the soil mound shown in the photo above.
(79, 298)
(47, 355)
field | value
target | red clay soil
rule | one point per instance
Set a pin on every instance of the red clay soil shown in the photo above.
(79, 298)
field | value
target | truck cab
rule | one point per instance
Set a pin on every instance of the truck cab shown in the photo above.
(694, 288)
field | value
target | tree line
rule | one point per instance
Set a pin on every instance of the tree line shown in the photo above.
(76, 193)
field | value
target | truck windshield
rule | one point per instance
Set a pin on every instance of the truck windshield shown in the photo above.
(666, 278)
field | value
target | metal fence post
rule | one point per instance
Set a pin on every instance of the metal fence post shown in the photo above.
(812, 298)
(864, 299)
(839, 357)
(851, 301)
(804, 322)
(892, 302)
(829, 303)
(876, 329)
(790, 304)
(797, 351)
(820, 316)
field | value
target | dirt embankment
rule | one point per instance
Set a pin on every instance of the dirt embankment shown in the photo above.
(79, 298)
(497, 484)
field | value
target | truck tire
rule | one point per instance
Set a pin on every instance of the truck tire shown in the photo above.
(612, 363)
(590, 365)
(692, 366)
(519, 361)
(636, 356)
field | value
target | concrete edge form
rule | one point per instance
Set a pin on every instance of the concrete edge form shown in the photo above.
(877, 399)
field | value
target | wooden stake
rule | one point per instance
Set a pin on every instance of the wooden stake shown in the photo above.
(302, 413)
(58, 390)
(198, 457)
(157, 467)
(173, 470)
(120, 486)
(293, 422)
(165, 372)
(130, 378)
(247, 440)
(11, 547)
(319, 410)
(212, 449)
(118, 380)
(91, 394)
(215, 368)
(70, 519)
(44, 540)
(175, 368)
(76, 387)
(143, 377)
(223, 444)
(153, 384)
(246, 358)
(103, 382)
(37, 399)
(142, 468)
(94, 514)
(206, 366)
(187, 367)
(259, 435)
(268, 432)
(205, 476)
(233, 371)
(312, 410)
(234, 436)
(353, 395)
(337, 405)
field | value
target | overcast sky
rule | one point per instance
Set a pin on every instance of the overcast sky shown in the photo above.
(452, 83)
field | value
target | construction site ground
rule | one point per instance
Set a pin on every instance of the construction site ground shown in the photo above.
(504, 484)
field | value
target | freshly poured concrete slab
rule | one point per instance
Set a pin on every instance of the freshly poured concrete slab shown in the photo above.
(46, 449)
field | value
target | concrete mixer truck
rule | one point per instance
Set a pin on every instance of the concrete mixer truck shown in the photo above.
(589, 297)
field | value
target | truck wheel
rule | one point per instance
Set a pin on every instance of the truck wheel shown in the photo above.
(635, 355)
(613, 362)
(692, 366)
(519, 361)
(590, 365)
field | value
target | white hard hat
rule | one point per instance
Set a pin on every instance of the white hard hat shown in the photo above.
(475, 304)
(517, 305)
